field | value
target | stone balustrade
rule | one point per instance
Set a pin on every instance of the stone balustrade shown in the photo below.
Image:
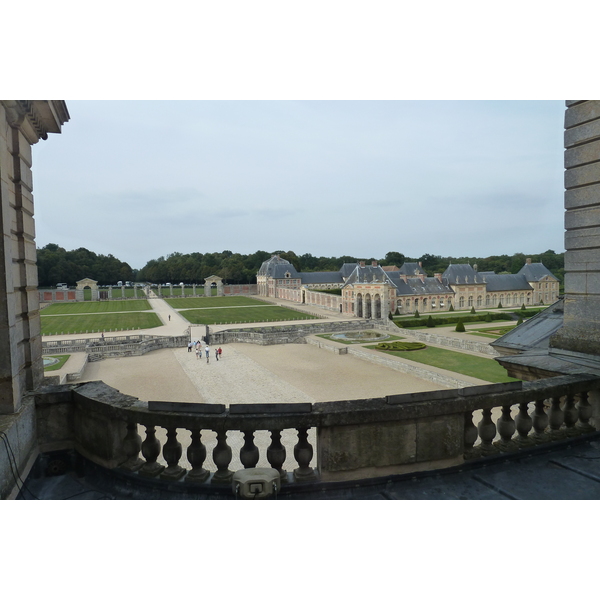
(350, 440)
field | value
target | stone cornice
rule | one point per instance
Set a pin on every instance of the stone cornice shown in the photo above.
(36, 118)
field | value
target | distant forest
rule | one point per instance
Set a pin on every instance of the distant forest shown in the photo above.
(55, 264)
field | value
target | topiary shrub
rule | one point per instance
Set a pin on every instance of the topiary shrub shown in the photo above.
(417, 315)
(499, 304)
(488, 317)
(523, 307)
(460, 326)
(430, 322)
(451, 309)
(520, 321)
(390, 316)
(472, 310)
(397, 313)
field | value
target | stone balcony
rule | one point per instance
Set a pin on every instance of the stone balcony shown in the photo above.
(353, 442)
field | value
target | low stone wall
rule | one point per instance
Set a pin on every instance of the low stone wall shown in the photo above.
(323, 345)
(115, 346)
(288, 334)
(450, 342)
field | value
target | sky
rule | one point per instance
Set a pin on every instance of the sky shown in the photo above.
(143, 179)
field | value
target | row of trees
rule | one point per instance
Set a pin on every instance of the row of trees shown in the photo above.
(55, 264)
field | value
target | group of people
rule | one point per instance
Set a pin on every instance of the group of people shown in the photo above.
(197, 348)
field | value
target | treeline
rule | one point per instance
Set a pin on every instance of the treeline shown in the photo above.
(55, 264)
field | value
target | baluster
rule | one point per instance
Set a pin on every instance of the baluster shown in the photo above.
(571, 416)
(487, 433)
(196, 455)
(303, 453)
(276, 454)
(471, 435)
(222, 455)
(540, 423)
(506, 428)
(172, 452)
(132, 444)
(524, 424)
(249, 452)
(556, 419)
(585, 414)
(150, 451)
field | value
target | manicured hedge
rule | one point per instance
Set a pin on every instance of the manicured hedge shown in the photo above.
(400, 346)
(451, 320)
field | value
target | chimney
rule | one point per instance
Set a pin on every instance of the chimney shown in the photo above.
(422, 277)
(362, 263)
(475, 268)
(420, 264)
(404, 278)
(528, 261)
(373, 263)
(438, 276)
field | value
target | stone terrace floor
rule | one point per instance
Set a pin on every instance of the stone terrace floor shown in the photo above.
(569, 470)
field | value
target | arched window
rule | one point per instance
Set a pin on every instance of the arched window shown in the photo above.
(461, 302)
(470, 301)
(479, 301)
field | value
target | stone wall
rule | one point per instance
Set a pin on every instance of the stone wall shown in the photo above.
(22, 124)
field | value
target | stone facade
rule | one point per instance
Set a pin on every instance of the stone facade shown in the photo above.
(581, 329)
(22, 124)
(372, 291)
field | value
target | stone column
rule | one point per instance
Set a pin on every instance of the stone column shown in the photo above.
(581, 329)
(220, 291)
(207, 289)
(22, 124)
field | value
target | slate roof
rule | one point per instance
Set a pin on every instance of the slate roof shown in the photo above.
(321, 277)
(535, 272)
(347, 269)
(411, 269)
(506, 283)
(462, 274)
(278, 271)
(368, 274)
(268, 267)
(414, 286)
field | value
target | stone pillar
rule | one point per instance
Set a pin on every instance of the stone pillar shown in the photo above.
(220, 291)
(171, 290)
(581, 328)
(182, 291)
(193, 289)
(135, 291)
(22, 124)
(207, 291)
(122, 292)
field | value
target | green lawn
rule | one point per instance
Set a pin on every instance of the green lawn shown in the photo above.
(129, 293)
(250, 314)
(77, 308)
(458, 362)
(53, 325)
(217, 301)
(62, 359)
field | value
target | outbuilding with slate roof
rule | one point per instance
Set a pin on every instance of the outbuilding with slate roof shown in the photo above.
(545, 285)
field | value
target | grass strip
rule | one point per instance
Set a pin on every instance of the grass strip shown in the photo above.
(126, 321)
(466, 364)
(78, 308)
(258, 314)
(215, 302)
(62, 359)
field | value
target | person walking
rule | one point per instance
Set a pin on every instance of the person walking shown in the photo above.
(217, 354)
(219, 351)
(190, 346)
(207, 350)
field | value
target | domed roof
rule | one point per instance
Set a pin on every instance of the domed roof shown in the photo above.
(268, 267)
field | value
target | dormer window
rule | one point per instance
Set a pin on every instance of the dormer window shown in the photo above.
(287, 275)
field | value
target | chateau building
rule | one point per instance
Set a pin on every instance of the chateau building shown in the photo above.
(372, 291)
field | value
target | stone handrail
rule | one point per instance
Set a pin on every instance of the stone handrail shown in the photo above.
(355, 439)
